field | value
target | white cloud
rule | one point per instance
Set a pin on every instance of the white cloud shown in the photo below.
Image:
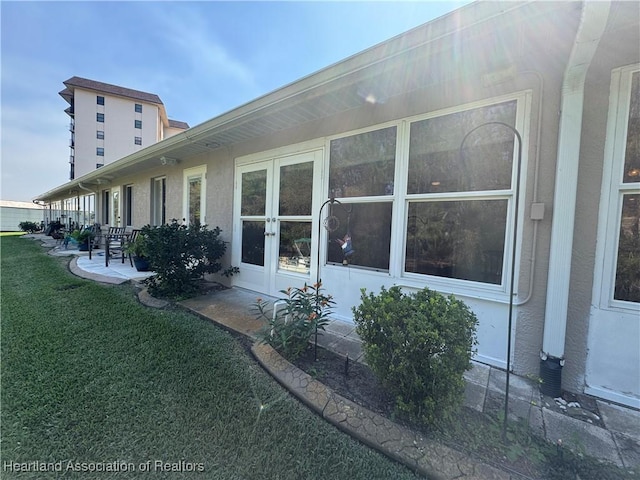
(186, 32)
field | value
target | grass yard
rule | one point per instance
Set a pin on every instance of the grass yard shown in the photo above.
(99, 386)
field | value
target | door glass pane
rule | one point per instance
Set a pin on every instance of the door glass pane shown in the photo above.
(295, 247)
(363, 165)
(106, 210)
(195, 191)
(296, 188)
(253, 242)
(360, 234)
(116, 208)
(128, 199)
(457, 239)
(158, 193)
(254, 193)
(436, 163)
(632, 155)
(628, 263)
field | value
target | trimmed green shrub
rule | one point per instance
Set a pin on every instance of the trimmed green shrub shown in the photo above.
(29, 227)
(419, 346)
(181, 256)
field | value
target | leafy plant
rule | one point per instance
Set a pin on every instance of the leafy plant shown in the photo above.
(290, 328)
(29, 227)
(419, 346)
(181, 256)
(138, 247)
(82, 236)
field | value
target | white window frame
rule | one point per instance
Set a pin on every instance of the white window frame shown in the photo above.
(348, 201)
(473, 288)
(189, 174)
(400, 200)
(612, 192)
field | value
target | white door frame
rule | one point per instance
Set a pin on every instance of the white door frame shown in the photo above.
(269, 279)
(188, 175)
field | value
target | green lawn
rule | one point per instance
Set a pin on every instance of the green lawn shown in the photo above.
(91, 377)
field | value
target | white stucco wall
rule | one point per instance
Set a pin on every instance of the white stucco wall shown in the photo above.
(12, 213)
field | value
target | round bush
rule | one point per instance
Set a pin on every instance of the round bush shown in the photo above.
(419, 346)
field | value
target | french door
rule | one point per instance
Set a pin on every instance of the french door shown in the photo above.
(276, 244)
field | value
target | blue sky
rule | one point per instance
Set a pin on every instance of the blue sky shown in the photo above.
(202, 58)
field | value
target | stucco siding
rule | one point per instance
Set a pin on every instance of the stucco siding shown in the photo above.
(497, 53)
(616, 355)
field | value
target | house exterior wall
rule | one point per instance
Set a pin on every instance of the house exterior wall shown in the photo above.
(170, 132)
(540, 72)
(520, 54)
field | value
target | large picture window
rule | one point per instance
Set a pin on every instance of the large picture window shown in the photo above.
(359, 232)
(454, 202)
(458, 189)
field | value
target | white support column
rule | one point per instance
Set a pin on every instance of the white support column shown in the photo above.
(593, 22)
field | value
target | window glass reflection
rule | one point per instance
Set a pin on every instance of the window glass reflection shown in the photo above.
(254, 193)
(628, 263)
(360, 234)
(295, 247)
(457, 239)
(253, 242)
(363, 165)
(632, 155)
(296, 188)
(436, 163)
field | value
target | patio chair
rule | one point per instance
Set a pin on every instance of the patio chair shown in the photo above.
(97, 238)
(115, 241)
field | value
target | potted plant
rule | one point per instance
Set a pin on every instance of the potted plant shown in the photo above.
(136, 248)
(82, 237)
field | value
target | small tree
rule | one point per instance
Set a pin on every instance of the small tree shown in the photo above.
(419, 346)
(181, 256)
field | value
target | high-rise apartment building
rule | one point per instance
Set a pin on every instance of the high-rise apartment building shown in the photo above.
(109, 122)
